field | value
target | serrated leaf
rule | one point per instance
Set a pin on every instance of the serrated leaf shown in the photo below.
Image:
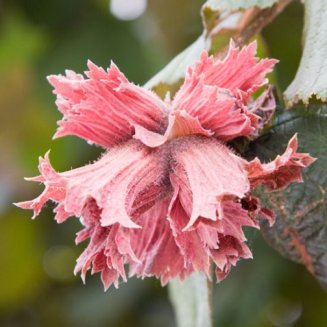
(230, 5)
(311, 77)
(300, 231)
(191, 301)
(231, 14)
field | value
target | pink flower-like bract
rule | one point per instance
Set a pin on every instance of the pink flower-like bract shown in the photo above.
(168, 197)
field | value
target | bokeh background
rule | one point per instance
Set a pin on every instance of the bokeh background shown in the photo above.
(37, 285)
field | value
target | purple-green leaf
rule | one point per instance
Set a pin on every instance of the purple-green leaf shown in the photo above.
(300, 231)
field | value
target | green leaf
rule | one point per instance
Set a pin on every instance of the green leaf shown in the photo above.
(311, 77)
(191, 301)
(230, 5)
(300, 231)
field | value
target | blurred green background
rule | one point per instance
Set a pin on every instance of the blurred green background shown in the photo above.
(37, 285)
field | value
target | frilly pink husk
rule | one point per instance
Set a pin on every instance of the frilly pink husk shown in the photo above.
(278, 173)
(169, 197)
